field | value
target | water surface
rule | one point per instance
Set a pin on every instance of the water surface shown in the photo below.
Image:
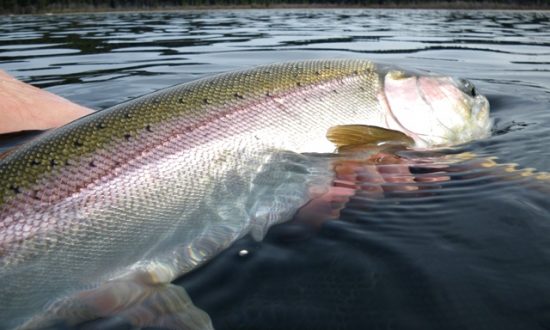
(469, 253)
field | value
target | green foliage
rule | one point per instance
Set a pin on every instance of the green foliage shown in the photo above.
(41, 6)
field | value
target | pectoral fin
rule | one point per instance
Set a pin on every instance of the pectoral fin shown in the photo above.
(345, 136)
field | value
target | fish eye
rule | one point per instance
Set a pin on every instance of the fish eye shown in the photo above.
(467, 87)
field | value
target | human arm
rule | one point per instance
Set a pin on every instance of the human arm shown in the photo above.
(25, 107)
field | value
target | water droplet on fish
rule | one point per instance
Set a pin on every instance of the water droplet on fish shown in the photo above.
(243, 253)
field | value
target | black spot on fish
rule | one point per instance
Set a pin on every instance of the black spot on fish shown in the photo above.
(127, 136)
(298, 84)
(148, 128)
(15, 189)
(78, 143)
(92, 164)
(335, 91)
(239, 95)
(206, 101)
(181, 100)
(318, 73)
(35, 162)
(155, 101)
(355, 72)
(268, 94)
(54, 162)
(128, 115)
(101, 125)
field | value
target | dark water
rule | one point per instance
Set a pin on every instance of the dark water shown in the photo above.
(472, 252)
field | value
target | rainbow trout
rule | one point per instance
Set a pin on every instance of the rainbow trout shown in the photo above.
(99, 216)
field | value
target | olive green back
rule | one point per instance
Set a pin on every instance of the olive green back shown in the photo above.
(189, 102)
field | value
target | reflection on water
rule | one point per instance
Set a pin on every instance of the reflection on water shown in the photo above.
(471, 251)
(140, 52)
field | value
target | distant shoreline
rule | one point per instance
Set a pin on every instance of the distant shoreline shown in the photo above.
(455, 5)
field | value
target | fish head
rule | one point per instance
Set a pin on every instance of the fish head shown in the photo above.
(436, 111)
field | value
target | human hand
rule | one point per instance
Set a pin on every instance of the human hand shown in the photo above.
(25, 107)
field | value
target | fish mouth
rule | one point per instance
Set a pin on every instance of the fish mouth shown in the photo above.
(479, 107)
(479, 103)
(480, 115)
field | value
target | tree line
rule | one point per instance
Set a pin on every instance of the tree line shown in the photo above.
(43, 6)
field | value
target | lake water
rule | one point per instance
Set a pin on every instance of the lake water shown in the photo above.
(472, 252)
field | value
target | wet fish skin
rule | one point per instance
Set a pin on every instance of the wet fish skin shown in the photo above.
(162, 183)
